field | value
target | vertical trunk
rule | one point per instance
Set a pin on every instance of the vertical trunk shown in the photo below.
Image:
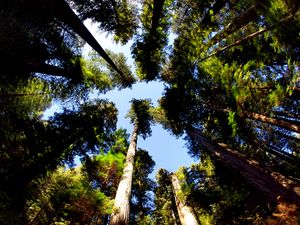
(185, 212)
(274, 185)
(174, 217)
(120, 215)
(156, 14)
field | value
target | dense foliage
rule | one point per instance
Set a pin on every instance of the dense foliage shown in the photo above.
(232, 89)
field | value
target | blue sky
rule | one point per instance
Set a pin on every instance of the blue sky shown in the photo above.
(166, 150)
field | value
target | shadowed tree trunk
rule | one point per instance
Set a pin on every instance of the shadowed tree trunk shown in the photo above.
(260, 117)
(216, 7)
(273, 121)
(185, 212)
(246, 17)
(62, 10)
(121, 210)
(157, 11)
(275, 186)
(253, 35)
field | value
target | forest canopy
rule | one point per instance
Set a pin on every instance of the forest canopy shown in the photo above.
(231, 76)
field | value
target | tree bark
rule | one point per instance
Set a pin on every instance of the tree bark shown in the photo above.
(215, 8)
(273, 121)
(63, 11)
(156, 14)
(246, 17)
(260, 117)
(251, 36)
(273, 184)
(185, 212)
(121, 210)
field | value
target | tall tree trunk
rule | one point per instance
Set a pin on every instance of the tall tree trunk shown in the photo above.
(273, 121)
(287, 114)
(185, 212)
(63, 11)
(273, 184)
(121, 210)
(260, 117)
(156, 14)
(213, 10)
(246, 17)
(251, 36)
(286, 136)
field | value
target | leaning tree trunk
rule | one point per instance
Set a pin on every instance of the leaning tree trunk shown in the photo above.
(185, 212)
(121, 210)
(246, 17)
(260, 117)
(277, 122)
(253, 35)
(63, 11)
(276, 187)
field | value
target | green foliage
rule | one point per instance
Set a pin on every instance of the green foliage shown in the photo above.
(140, 116)
(219, 70)
(117, 17)
(99, 74)
(149, 49)
(142, 188)
(219, 196)
(165, 211)
(232, 123)
(65, 197)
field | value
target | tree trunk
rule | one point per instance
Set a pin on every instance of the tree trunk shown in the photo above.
(63, 11)
(273, 121)
(246, 17)
(286, 136)
(274, 185)
(265, 119)
(215, 8)
(287, 114)
(251, 36)
(185, 212)
(156, 14)
(121, 210)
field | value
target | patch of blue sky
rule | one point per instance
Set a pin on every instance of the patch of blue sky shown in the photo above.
(167, 151)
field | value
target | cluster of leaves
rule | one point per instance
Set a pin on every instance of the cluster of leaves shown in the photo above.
(165, 211)
(232, 75)
(140, 116)
(223, 77)
(142, 189)
(218, 196)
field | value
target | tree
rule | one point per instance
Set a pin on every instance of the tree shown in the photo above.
(268, 182)
(142, 188)
(63, 11)
(165, 211)
(141, 119)
(218, 196)
(149, 47)
(97, 77)
(66, 196)
(33, 147)
(118, 17)
(185, 212)
(104, 170)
